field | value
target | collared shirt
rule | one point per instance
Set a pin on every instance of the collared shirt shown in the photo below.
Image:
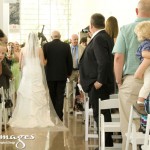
(96, 33)
(127, 44)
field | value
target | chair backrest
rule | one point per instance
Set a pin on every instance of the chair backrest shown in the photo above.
(108, 104)
(112, 96)
(146, 145)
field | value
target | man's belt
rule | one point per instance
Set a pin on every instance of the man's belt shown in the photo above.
(75, 69)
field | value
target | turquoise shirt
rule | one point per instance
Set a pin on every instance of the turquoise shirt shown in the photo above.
(128, 44)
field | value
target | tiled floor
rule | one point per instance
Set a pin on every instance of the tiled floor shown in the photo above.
(73, 139)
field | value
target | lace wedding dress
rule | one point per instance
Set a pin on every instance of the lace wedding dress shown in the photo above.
(34, 107)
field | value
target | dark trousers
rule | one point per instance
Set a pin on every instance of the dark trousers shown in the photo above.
(94, 95)
(56, 91)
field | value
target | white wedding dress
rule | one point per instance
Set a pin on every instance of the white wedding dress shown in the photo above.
(32, 108)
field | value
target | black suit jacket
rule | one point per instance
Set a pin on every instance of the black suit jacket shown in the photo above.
(96, 63)
(5, 76)
(59, 60)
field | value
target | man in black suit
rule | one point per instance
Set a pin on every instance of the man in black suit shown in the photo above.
(96, 68)
(58, 68)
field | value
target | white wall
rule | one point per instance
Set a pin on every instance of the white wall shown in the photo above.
(123, 10)
(4, 16)
(81, 11)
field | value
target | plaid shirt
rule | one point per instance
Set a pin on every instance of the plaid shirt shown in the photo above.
(144, 46)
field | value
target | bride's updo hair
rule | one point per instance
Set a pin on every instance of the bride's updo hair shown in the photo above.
(32, 44)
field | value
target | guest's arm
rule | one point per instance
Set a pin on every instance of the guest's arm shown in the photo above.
(118, 67)
(141, 69)
(144, 65)
(21, 59)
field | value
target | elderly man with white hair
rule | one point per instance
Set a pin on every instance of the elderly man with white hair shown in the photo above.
(58, 69)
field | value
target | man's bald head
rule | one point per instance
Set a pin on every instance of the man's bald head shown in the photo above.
(143, 9)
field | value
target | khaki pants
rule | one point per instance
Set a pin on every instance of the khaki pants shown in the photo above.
(74, 77)
(128, 94)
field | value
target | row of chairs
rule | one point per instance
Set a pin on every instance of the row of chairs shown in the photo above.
(90, 124)
(134, 137)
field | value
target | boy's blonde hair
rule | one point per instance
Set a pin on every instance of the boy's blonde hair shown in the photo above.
(142, 30)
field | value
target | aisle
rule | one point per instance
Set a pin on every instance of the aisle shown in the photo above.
(43, 139)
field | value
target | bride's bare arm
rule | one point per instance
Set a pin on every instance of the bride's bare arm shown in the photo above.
(42, 59)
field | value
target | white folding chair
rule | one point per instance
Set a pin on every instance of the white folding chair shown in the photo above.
(108, 126)
(146, 145)
(90, 124)
(133, 136)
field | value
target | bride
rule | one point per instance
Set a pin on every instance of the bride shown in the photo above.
(34, 107)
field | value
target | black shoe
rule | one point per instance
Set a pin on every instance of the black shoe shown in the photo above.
(139, 108)
(97, 148)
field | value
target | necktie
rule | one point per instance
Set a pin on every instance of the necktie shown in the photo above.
(74, 58)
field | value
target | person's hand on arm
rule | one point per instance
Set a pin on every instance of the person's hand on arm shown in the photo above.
(141, 69)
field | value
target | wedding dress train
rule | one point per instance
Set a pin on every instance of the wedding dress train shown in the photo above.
(32, 108)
